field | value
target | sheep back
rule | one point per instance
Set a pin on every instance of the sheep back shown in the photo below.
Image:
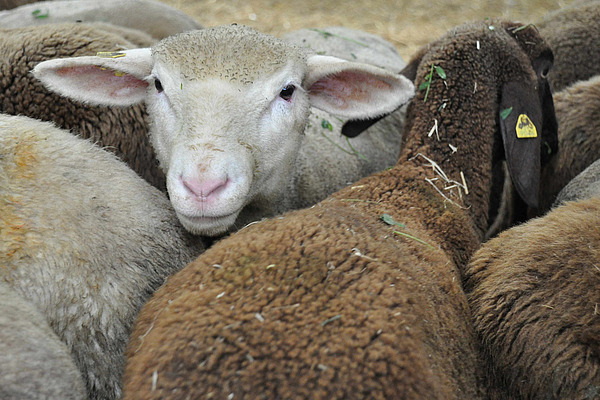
(85, 240)
(123, 131)
(154, 18)
(534, 307)
(317, 304)
(583, 186)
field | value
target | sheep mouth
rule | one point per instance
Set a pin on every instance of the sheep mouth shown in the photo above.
(208, 225)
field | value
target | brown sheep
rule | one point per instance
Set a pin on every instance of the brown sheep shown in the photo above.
(578, 113)
(534, 295)
(573, 34)
(332, 302)
(123, 131)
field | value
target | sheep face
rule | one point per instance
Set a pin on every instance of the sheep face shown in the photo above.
(228, 107)
(238, 148)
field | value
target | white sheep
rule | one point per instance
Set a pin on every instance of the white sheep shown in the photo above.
(85, 240)
(155, 18)
(34, 363)
(228, 108)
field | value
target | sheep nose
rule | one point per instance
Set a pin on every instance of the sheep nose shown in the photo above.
(205, 189)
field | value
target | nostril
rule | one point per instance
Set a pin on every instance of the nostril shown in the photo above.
(203, 189)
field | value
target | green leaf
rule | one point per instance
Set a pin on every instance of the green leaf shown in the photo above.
(548, 147)
(37, 14)
(325, 124)
(440, 71)
(387, 218)
(424, 85)
(505, 113)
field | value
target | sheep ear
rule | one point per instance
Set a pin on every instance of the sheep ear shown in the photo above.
(110, 79)
(521, 126)
(354, 128)
(354, 90)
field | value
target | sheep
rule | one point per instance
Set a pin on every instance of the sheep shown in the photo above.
(574, 36)
(155, 18)
(228, 106)
(341, 300)
(85, 240)
(577, 112)
(583, 186)
(533, 294)
(35, 364)
(123, 131)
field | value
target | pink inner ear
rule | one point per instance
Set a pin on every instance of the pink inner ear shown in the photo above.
(349, 87)
(99, 79)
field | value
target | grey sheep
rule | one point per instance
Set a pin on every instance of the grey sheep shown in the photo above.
(534, 295)
(370, 150)
(34, 363)
(228, 108)
(85, 240)
(154, 18)
(583, 186)
(360, 296)
(123, 131)
(573, 33)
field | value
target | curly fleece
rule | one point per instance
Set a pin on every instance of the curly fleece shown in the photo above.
(330, 302)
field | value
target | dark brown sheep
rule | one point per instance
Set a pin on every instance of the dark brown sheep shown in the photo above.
(573, 33)
(120, 130)
(334, 302)
(578, 113)
(534, 295)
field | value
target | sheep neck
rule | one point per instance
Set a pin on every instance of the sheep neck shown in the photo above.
(450, 145)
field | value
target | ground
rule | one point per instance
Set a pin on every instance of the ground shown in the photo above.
(408, 24)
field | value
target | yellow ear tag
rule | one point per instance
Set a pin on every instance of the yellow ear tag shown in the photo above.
(525, 128)
(110, 54)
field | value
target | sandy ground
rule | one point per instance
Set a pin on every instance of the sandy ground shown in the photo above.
(408, 24)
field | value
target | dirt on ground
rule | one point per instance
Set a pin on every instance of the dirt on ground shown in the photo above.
(408, 24)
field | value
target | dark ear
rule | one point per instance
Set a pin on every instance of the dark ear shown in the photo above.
(410, 71)
(353, 128)
(549, 143)
(521, 124)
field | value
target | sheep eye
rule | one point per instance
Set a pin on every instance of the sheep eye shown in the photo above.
(545, 72)
(287, 92)
(158, 86)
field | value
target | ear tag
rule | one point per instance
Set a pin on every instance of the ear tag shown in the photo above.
(110, 54)
(525, 128)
